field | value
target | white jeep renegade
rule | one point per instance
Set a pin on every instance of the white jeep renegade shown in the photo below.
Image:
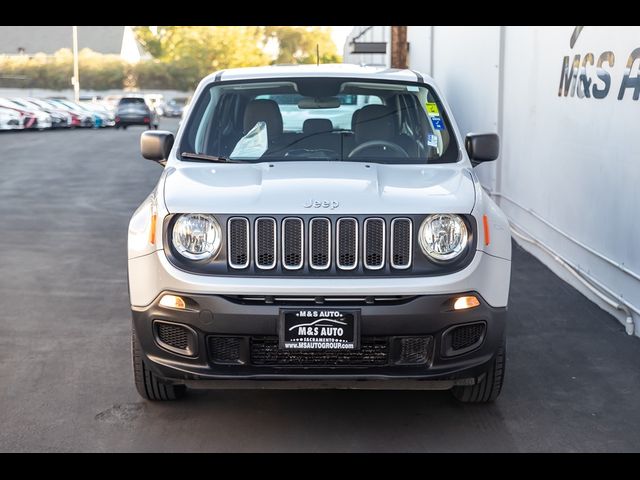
(319, 227)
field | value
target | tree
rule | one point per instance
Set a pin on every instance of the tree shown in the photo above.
(190, 53)
(298, 44)
(200, 50)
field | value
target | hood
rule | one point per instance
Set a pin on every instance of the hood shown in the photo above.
(318, 188)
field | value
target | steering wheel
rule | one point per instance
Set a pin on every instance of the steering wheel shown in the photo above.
(379, 143)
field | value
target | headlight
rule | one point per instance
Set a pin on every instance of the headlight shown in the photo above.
(443, 237)
(197, 236)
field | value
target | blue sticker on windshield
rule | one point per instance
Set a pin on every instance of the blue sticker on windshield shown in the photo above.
(437, 122)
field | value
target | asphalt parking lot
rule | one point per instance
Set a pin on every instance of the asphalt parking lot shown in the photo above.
(573, 375)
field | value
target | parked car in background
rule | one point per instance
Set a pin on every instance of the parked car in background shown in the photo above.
(47, 107)
(107, 118)
(111, 102)
(41, 121)
(10, 119)
(109, 113)
(59, 119)
(83, 119)
(175, 107)
(133, 110)
(99, 119)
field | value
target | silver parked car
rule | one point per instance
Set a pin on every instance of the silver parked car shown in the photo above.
(346, 244)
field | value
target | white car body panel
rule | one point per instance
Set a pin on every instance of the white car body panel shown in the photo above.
(285, 187)
(340, 187)
(6, 115)
(151, 274)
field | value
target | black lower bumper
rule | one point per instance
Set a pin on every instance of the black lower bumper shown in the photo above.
(250, 328)
(133, 120)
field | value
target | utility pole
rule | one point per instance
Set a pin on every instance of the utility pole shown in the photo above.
(399, 47)
(75, 81)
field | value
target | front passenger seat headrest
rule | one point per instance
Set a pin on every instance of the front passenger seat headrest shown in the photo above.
(266, 111)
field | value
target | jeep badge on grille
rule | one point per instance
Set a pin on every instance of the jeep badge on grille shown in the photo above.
(332, 204)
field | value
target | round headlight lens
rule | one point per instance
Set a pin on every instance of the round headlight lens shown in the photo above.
(443, 237)
(197, 236)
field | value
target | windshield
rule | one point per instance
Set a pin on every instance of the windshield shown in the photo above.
(64, 104)
(132, 101)
(39, 103)
(320, 119)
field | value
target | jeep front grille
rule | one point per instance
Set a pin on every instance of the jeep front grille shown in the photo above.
(374, 243)
(292, 243)
(238, 242)
(265, 243)
(401, 243)
(320, 243)
(347, 243)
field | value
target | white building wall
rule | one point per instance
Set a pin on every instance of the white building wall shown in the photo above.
(574, 161)
(567, 163)
(466, 65)
(419, 38)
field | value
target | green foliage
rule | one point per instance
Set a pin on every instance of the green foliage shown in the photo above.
(298, 44)
(100, 72)
(200, 50)
(197, 51)
(182, 56)
(154, 74)
(97, 71)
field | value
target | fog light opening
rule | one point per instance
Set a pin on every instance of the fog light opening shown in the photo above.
(173, 301)
(466, 302)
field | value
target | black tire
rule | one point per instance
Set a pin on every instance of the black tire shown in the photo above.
(488, 390)
(117, 127)
(148, 385)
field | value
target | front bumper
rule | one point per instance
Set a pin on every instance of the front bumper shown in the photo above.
(153, 273)
(229, 316)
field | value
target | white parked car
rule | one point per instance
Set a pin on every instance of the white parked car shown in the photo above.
(42, 119)
(310, 254)
(10, 119)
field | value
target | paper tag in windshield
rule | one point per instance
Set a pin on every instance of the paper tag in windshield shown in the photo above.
(432, 141)
(432, 110)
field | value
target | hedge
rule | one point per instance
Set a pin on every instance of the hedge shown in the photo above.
(97, 72)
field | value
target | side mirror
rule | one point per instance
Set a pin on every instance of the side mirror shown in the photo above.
(482, 147)
(156, 145)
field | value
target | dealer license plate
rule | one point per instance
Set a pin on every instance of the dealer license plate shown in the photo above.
(319, 329)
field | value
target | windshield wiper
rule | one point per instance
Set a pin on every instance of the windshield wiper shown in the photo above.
(206, 158)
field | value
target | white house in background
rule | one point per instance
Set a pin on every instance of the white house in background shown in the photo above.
(29, 40)
(565, 101)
